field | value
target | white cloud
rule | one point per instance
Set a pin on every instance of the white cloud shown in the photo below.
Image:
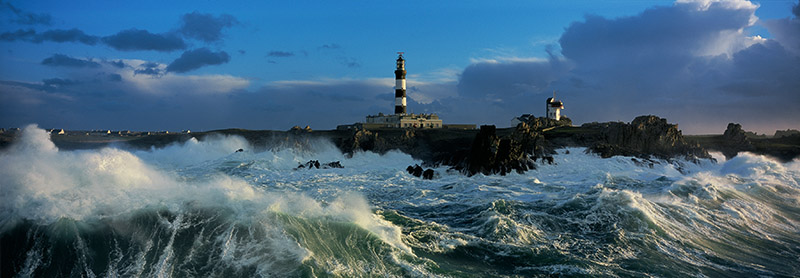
(171, 84)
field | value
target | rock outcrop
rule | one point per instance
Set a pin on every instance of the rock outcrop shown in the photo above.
(418, 171)
(645, 136)
(491, 154)
(735, 140)
(786, 133)
(311, 164)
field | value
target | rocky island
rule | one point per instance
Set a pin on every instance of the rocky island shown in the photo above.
(487, 150)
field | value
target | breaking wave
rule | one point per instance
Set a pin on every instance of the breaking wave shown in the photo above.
(200, 209)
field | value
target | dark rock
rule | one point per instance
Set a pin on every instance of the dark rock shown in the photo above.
(428, 174)
(786, 133)
(490, 154)
(735, 140)
(311, 164)
(645, 136)
(417, 171)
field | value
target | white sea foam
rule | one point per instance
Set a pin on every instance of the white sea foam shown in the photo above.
(42, 184)
(673, 203)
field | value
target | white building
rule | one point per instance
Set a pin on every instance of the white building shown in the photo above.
(554, 108)
(400, 118)
(406, 120)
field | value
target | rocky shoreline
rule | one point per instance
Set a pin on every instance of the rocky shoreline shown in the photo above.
(490, 150)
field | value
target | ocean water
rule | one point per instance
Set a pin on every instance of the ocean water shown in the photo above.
(199, 209)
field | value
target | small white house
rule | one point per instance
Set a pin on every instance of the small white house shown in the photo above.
(554, 108)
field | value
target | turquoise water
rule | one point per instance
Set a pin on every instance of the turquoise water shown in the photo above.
(198, 209)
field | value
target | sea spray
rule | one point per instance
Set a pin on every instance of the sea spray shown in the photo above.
(113, 213)
(199, 208)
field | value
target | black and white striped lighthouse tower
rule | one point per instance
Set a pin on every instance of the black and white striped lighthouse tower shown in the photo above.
(400, 86)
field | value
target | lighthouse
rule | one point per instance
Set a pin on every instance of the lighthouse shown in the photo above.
(400, 86)
(401, 118)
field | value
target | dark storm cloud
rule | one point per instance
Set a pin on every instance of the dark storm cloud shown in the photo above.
(149, 68)
(58, 82)
(278, 53)
(796, 10)
(657, 32)
(148, 71)
(205, 27)
(506, 78)
(55, 35)
(118, 63)
(135, 39)
(787, 30)
(26, 18)
(665, 61)
(66, 61)
(71, 35)
(21, 34)
(195, 59)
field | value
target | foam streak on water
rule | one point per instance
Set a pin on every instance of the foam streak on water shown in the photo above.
(199, 209)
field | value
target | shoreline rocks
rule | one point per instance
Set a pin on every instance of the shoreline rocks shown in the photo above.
(490, 150)
(645, 137)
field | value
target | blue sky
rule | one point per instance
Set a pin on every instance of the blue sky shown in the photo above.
(202, 65)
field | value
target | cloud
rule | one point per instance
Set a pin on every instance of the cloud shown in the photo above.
(20, 34)
(150, 68)
(26, 18)
(66, 61)
(56, 35)
(205, 27)
(787, 30)
(195, 59)
(118, 63)
(58, 82)
(115, 77)
(330, 46)
(106, 97)
(492, 79)
(689, 62)
(135, 39)
(277, 53)
(796, 10)
(71, 35)
(349, 62)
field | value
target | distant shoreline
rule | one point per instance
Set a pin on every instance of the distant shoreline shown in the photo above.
(455, 148)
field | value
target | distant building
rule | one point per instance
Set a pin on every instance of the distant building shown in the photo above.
(406, 120)
(400, 118)
(100, 132)
(554, 107)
